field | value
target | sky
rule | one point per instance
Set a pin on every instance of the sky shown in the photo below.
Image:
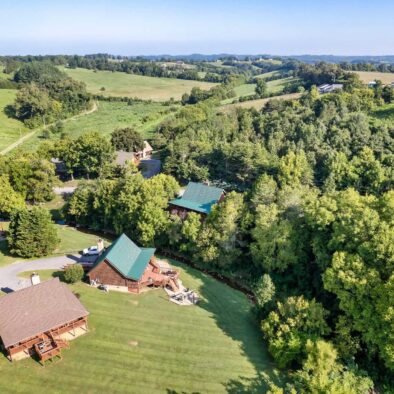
(153, 27)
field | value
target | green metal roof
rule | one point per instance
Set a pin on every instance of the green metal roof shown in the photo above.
(126, 257)
(198, 197)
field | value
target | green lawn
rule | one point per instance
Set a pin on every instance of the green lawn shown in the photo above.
(10, 129)
(72, 241)
(385, 112)
(144, 117)
(146, 344)
(128, 85)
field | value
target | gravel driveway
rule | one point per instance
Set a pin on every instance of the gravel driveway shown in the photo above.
(9, 274)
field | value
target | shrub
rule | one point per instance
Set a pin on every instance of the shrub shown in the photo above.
(74, 273)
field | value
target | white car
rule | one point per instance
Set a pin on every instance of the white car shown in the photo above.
(92, 251)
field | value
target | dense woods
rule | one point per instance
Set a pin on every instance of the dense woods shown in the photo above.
(47, 94)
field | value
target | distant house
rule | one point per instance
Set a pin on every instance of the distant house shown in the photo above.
(122, 157)
(126, 267)
(371, 84)
(329, 87)
(196, 198)
(40, 319)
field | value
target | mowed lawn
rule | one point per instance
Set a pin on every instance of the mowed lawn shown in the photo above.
(146, 344)
(142, 116)
(128, 85)
(10, 129)
(368, 76)
(71, 241)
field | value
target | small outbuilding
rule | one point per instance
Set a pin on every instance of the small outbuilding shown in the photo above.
(40, 319)
(124, 266)
(197, 197)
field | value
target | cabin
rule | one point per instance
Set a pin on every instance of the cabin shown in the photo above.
(126, 267)
(197, 197)
(329, 87)
(122, 157)
(40, 320)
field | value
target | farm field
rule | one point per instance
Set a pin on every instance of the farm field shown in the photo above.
(368, 76)
(259, 103)
(144, 117)
(127, 85)
(10, 129)
(72, 241)
(146, 344)
(248, 89)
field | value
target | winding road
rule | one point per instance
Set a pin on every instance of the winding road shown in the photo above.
(9, 279)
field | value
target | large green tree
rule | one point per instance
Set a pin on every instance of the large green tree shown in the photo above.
(32, 233)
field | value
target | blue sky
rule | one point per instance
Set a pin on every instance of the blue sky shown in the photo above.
(346, 27)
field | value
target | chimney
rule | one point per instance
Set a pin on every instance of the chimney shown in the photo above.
(35, 279)
(100, 245)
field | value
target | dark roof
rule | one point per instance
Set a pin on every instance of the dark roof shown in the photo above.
(37, 309)
(199, 197)
(126, 257)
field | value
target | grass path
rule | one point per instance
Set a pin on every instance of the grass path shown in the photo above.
(33, 132)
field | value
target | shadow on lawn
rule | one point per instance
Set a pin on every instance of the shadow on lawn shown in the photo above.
(225, 305)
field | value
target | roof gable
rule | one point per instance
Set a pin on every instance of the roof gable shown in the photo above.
(199, 197)
(126, 257)
(36, 309)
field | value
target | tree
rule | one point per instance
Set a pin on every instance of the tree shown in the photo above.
(73, 273)
(264, 291)
(261, 87)
(10, 200)
(290, 325)
(32, 233)
(127, 139)
(322, 373)
(294, 169)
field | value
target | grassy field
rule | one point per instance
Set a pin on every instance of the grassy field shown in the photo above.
(127, 85)
(146, 344)
(368, 76)
(248, 89)
(72, 241)
(386, 112)
(144, 117)
(10, 129)
(259, 103)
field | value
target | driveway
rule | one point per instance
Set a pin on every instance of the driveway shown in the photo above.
(9, 279)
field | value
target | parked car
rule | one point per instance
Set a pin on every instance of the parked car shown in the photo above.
(92, 251)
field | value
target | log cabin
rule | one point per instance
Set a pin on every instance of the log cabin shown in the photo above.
(198, 198)
(40, 319)
(126, 267)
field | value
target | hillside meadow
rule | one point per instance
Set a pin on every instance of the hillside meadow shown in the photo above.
(144, 117)
(10, 129)
(127, 85)
(368, 76)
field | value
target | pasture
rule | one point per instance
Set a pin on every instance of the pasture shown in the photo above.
(146, 344)
(128, 85)
(144, 117)
(259, 103)
(10, 129)
(248, 89)
(368, 76)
